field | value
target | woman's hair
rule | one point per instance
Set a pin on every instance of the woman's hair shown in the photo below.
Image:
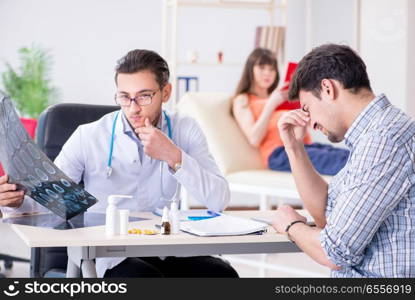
(259, 56)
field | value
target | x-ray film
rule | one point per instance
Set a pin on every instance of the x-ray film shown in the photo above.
(29, 168)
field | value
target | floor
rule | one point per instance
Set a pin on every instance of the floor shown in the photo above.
(252, 265)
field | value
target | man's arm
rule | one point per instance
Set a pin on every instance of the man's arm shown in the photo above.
(199, 173)
(69, 160)
(376, 186)
(311, 186)
(305, 237)
(13, 201)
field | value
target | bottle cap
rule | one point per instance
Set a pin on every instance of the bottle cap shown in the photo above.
(165, 217)
(174, 206)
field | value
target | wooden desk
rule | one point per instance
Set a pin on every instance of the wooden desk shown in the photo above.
(86, 244)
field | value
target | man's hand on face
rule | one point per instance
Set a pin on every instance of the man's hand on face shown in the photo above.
(157, 145)
(293, 127)
(284, 216)
(9, 195)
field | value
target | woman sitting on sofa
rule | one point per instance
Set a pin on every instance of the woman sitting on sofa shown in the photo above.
(256, 110)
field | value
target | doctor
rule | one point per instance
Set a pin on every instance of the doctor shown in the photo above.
(143, 151)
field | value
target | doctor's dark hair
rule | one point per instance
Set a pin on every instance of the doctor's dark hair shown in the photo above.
(329, 61)
(144, 60)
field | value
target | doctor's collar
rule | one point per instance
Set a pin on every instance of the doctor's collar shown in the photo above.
(126, 126)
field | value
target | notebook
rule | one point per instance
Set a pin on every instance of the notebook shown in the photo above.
(223, 225)
(289, 105)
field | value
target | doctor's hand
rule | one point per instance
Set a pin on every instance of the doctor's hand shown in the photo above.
(157, 145)
(9, 195)
(293, 127)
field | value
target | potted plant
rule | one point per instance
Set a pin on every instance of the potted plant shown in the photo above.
(30, 87)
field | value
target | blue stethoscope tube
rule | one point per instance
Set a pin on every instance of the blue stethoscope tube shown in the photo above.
(109, 163)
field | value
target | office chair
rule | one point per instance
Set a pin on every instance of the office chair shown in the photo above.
(30, 126)
(8, 262)
(56, 124)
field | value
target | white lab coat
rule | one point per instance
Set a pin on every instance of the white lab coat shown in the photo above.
(85, 155)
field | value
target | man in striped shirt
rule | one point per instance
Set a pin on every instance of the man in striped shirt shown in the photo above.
(365, 217)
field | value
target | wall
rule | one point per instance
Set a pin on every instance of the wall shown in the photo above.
(410, 70)
(384, 47)
(87, 37)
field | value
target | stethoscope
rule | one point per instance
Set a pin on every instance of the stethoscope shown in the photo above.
(170, 135)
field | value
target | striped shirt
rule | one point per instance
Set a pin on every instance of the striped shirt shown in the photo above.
(370, 211)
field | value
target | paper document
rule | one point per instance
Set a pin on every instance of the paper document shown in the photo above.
(223, 225)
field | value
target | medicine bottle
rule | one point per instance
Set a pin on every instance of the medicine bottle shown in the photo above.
(165, 224)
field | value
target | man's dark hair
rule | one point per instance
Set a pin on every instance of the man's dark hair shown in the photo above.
(329, 61)
(142, 60)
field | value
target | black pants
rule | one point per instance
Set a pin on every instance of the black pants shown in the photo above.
(197, 266)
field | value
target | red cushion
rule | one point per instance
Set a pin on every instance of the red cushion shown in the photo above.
(30, 126)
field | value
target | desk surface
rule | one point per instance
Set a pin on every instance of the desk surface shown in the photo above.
(95, 236)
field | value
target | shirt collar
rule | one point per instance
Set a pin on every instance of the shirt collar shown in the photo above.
(125, 125)
(362, 122)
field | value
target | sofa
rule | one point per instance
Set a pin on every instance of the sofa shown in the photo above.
(239, 161)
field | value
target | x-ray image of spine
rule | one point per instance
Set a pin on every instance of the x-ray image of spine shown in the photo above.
(28, 167)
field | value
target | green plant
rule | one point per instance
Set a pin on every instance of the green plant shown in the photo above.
(30, 89)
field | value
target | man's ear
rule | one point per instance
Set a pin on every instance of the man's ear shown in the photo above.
(328, 89)
(166, 93)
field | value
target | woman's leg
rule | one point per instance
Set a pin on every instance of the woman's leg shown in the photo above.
(326, 159)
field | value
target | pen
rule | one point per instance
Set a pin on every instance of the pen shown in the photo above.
(211, 213)
(197, 218)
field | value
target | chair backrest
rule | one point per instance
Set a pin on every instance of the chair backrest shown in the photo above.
(56, 124)
(226, 141)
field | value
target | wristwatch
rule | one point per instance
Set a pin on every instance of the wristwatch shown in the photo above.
(176, 167)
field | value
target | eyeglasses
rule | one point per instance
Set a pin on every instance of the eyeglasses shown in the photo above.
(141, 99)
